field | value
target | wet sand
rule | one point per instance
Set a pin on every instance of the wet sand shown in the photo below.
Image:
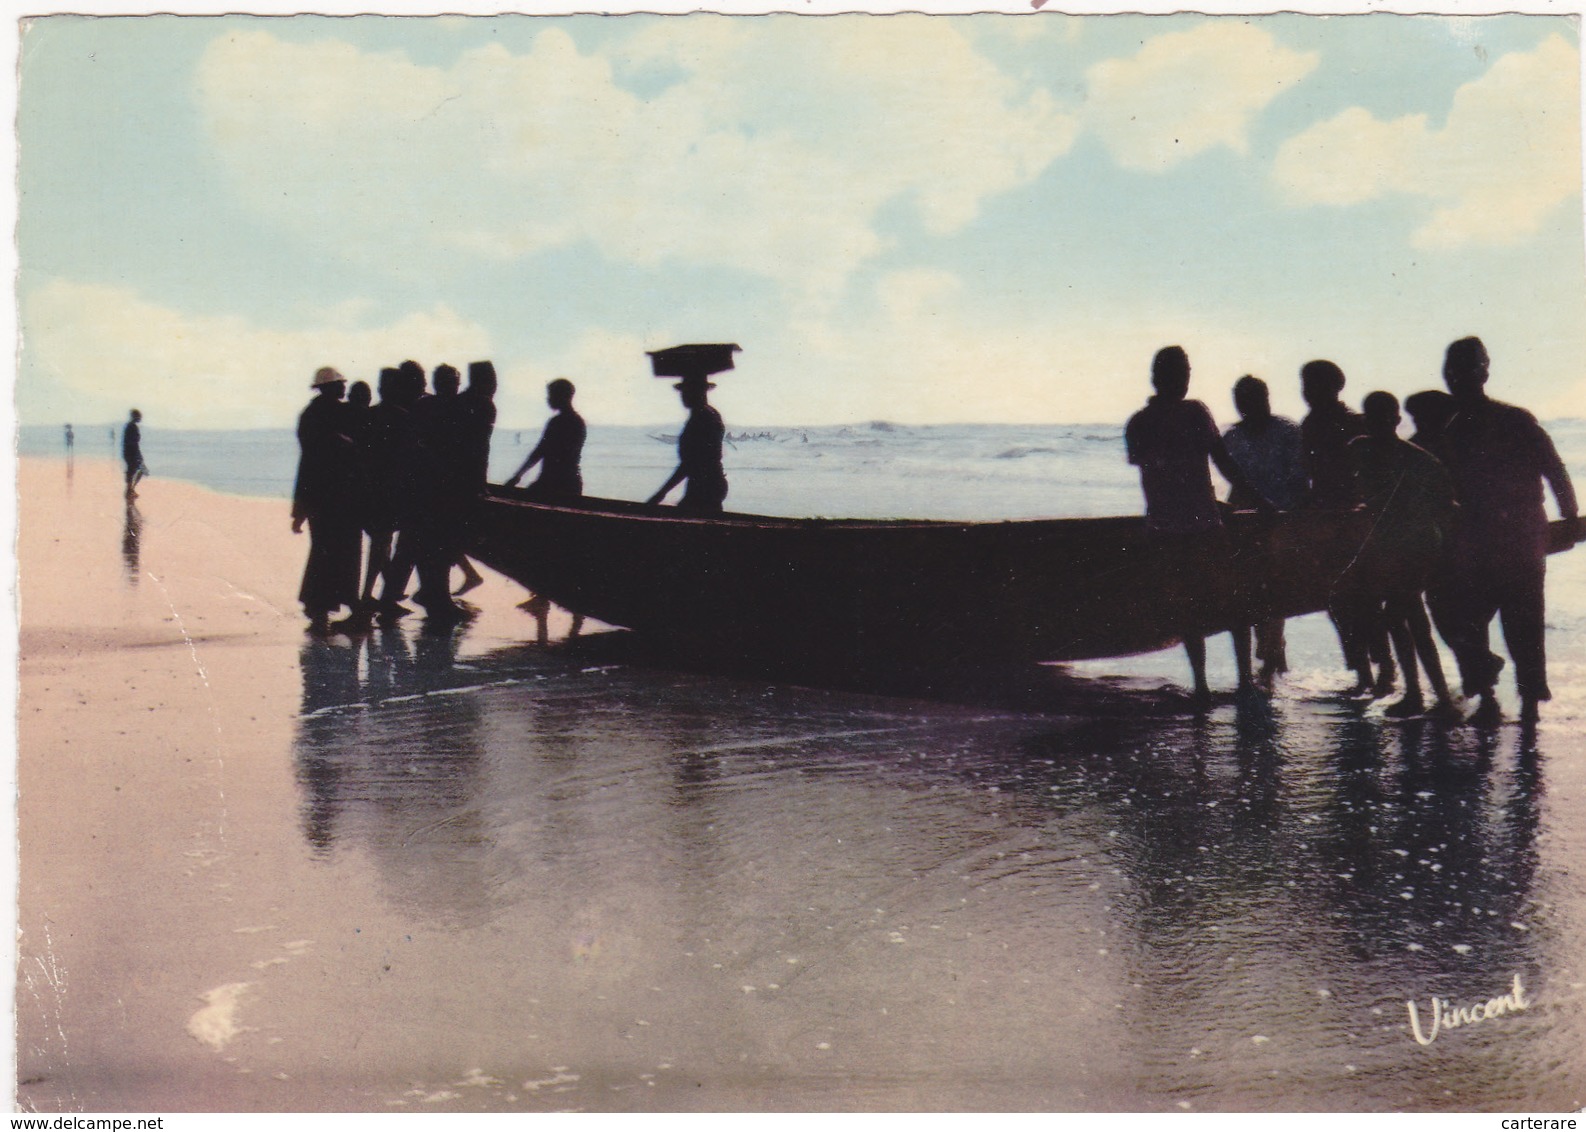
(465, 872)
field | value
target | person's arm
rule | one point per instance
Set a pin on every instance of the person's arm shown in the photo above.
(1218, 451)
(536, 456)
(1235, 477)
(299, 489)
(1557, 476)
(299, 501)
(677, 477)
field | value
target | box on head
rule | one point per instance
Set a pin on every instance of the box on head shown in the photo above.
(693, 363)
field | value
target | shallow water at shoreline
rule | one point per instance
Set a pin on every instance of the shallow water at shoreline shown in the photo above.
(466, 871)
(831, 899)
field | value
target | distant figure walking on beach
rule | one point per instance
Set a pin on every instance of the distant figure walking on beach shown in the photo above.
(70, 439)
(698, 452)
(1499, 456)
(559, 450)
(1173, 441)
(325, 496)
(1411, 496)
(1327, 430)
(1271, 453)
(132, 452)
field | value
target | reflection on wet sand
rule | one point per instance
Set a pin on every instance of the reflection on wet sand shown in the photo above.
(972, 907)
(379, 765)
(131, 542)
(1286, 897)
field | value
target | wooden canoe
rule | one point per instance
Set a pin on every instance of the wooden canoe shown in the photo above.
(741, 587)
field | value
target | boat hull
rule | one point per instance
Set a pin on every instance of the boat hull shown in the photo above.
(748, 587)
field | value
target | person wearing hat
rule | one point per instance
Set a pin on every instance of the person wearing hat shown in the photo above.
(698, 452)
(558, 452)
(325, 497)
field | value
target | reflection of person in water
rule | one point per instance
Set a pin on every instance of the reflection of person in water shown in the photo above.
(1171, 441)
(1500, 457)
(132, 452)
(698, 452)
(131, 541)
(559, 450)
(325, 497)
(539, 608)
(1411, 497)
(1428, 849)
(1271, 453)
(401, 784)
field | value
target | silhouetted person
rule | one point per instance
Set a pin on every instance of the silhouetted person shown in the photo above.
(325, 497)
(365, 491)
(1330, 484)
(132, 452)
(1499, 456)
(1411, 496)
(443, 503)
(379, 443)
(479, 417)
(559, 450)
(1271, 453)
(477, 421)
(698, 452)
(1173, 441)
(71, 439)
(1431, 410)
(1327, 429)
(412, 477)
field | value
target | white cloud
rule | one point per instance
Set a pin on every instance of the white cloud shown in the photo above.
(609, 371)
(107, 345)
(1505, 158)
(929, 349)
(1187, 92)
(771, 154)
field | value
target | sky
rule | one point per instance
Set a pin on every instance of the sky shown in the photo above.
(920, 219)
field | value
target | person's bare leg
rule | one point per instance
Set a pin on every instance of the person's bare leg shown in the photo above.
(1411, 704)
(1426, 650)
(471, 578)
(1195, 649)
(1241, 639)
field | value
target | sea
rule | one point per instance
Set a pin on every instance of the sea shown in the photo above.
(871, 470)
(663, 889)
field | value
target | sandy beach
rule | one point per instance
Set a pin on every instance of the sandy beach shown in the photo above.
(160, 684)
(463, 872)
